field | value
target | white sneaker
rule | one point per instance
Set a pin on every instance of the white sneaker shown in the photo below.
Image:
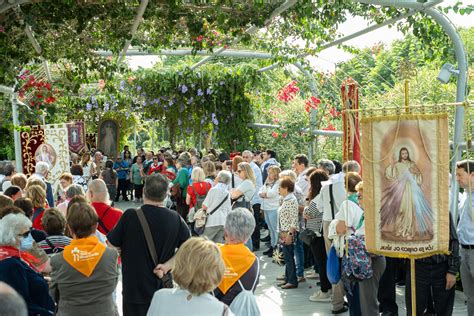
(320, 297)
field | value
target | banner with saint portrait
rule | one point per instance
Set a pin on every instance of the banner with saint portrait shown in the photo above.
(55, 151)
(406, 176)
(76, 136)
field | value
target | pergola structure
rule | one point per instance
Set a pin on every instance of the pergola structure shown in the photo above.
(414, 7)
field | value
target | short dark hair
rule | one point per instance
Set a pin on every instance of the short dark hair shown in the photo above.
(53, 221)
(271, 153)
(10, 209)
(12, 190)
(26, 205)
(156, 187)
(223, 157)
(467, 165)
(77, 170)
(288, 184)
(82, 219)
(302, 159)
(338, 166)
(8, 170)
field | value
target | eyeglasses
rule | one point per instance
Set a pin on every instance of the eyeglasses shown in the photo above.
(25, 234)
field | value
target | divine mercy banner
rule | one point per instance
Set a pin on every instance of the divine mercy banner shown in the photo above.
(406, 175)
(76, 136)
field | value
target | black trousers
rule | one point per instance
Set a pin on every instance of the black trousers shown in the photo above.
(386, 294)
(256, 231)
(138, 190)
(135, 309)
(122, 187)
(430, 282)
(318, 249)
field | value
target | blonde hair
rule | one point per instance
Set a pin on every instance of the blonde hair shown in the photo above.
(66, 176)
(247, 169)
(35, 181)
(19, 179)
(37, 195)
(198, 266)
(209, 168)
(274, 170)
(288, 173)
(360, 186)
(198, 175)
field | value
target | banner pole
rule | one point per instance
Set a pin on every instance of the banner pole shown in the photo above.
(413, 286)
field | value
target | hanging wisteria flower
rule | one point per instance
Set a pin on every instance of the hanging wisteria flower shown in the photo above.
(184, 89)
(190, 100)
(214, 119)
(180, 122)
(94, 101)
(181, 108)
(170, 102)
(106, 107)
(221, 83)
(199, 93)
(203, 120)
(189, 130)
(208, 91)
(139, 88)
(88, 107)
(122, 85)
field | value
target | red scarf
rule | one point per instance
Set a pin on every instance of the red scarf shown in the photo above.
(9, 252)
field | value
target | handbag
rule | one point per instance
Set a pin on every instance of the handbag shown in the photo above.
(286, 239)
(333, 266)
(166, 280)
(200, 218)
(307, 236)
(357, 263)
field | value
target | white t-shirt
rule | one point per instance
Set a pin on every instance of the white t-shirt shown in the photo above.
(175, 302)
(213, 199)
(353, 218)
(248, 189)
(237, 181)
(339, 193)
(302, 183)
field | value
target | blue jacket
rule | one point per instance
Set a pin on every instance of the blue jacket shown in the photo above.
(29, 284)
(122, 174)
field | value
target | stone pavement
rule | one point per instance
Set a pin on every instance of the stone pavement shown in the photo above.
(276, 302)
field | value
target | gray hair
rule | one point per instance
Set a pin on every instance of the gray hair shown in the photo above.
(41, 167)
(73, 190)
(10, 226)
(327, 165)
(156, 187)
(288, 173)
(11, 303)
(224, 177)
(240, 224)
(351, 166)
(184, 159)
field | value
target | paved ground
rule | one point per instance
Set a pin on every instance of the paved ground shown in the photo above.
(276, 302)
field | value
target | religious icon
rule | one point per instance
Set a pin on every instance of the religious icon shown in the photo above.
(46, 153)
(404, 206)
(108, 138)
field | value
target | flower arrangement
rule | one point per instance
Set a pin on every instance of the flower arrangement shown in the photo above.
(37, 92)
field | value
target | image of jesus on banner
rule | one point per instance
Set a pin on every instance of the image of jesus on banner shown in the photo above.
(404, 207)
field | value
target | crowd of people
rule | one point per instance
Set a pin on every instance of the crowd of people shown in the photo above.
(189, 247)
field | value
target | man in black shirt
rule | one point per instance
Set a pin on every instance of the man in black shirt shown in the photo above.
(168, 230)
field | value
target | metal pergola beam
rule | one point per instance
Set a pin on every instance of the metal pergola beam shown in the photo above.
(136, 23)
(186, 52)
(365, 31)
(251, 30)
(38, 49)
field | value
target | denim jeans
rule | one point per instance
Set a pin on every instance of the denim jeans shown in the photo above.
(290, 267)
(271, 218)
(299, 256)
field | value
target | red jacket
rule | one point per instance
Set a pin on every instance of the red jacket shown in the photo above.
(108, 216)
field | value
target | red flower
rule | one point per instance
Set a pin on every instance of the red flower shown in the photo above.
(48, 86)
(329, 128)
(334, 112)
(284, 135)
(274, 134)
(199, 38)
(50, 100)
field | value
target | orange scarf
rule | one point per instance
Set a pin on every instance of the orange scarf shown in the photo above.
(238, 259)
(84, 254)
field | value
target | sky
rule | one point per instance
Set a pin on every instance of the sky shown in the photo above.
(328, 58)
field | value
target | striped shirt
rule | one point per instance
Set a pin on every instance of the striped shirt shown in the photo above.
(58, 242)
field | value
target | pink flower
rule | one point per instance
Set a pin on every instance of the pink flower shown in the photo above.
(284, 135)
(199, 38)
(274, 134)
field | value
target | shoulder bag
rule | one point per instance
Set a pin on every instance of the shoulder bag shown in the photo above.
(166, 280)
(200, 218)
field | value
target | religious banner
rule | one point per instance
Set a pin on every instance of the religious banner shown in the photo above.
(406, 174)
(30, 141)
(109, 138)
(91, 141)
(55, 151)
(76, 136)
(350, 120)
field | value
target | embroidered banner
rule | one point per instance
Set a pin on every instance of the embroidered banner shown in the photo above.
(91, 141)
(30, 141)
(55, 151)
(406, 174)
(76, 136)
